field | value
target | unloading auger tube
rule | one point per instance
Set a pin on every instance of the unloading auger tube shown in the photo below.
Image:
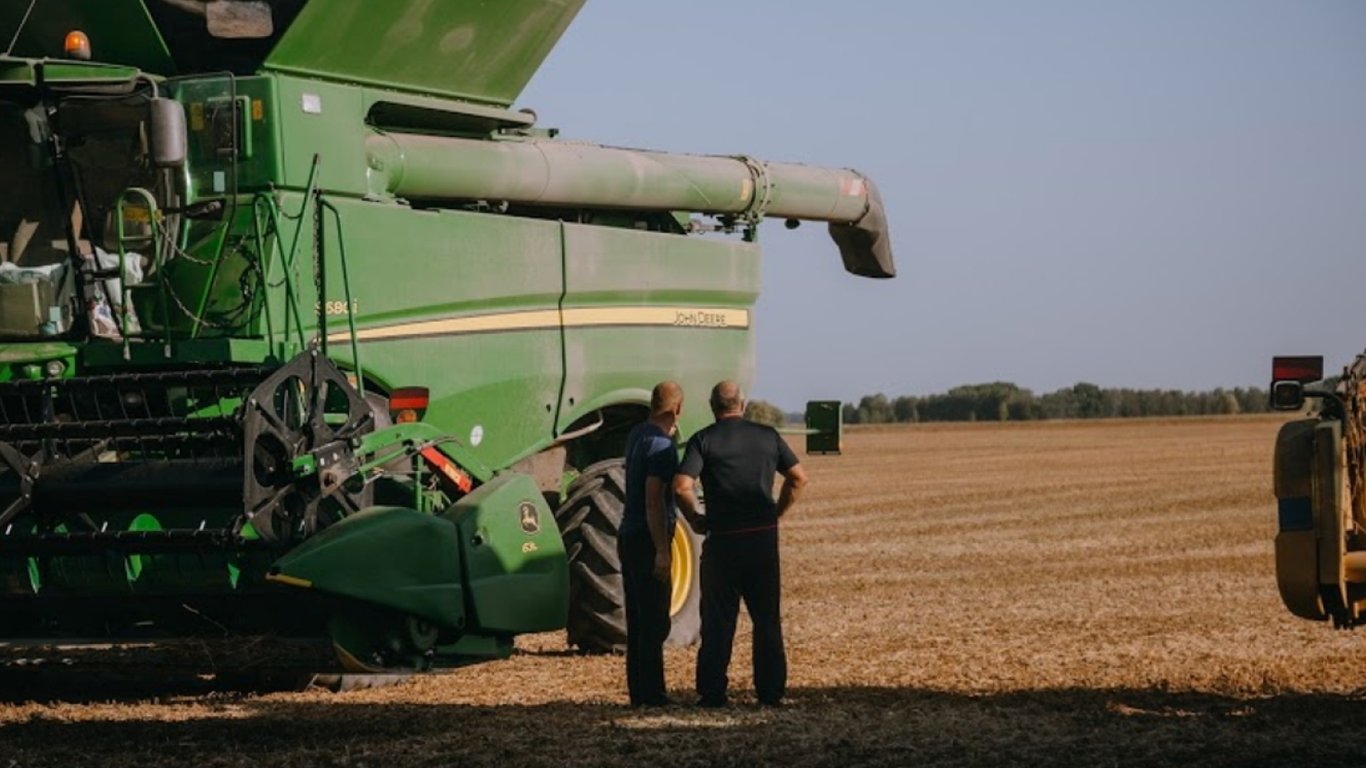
(553, 173)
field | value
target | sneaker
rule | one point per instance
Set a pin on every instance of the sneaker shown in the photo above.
(771, 703)
(706, 703)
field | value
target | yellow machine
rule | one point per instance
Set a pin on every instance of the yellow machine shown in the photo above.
(1321, 492)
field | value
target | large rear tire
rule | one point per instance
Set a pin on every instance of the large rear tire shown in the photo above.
(589, 520)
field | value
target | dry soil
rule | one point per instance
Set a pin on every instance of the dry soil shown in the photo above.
(1094, 593)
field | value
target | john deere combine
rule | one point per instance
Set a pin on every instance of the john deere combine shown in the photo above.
(307, 333)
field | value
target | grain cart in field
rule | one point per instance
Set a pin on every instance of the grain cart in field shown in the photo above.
(1320, 483)
(307, 333)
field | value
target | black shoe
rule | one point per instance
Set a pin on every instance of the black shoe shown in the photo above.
(771, 703)
(706, 703)
(662, 701)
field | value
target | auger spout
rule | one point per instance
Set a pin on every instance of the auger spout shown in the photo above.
(551, 173)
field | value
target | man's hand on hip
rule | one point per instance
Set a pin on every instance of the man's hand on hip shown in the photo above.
(697, 522)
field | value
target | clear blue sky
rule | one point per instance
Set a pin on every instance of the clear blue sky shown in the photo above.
(1150, 194)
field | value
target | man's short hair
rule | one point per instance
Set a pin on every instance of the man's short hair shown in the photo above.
(726, 397)
(665, 397)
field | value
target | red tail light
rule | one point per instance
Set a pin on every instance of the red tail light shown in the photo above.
(408, 404)
(1303, 369)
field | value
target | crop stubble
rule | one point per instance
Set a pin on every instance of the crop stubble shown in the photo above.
(1072, 593)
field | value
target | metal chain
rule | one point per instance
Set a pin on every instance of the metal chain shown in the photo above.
(180, 254)
(170, 291)
(237, 249)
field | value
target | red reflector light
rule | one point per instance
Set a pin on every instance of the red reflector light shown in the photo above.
(408, 399)
(1301, 369)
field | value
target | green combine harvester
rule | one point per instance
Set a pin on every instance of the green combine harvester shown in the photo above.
(304, 332)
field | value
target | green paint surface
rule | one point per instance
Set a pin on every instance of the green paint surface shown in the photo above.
(518, 579)
(387, 556)
(480, 51)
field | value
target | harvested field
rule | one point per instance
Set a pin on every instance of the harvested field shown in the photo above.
(1048, 594)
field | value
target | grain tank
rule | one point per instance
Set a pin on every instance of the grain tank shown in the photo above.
(307, 332)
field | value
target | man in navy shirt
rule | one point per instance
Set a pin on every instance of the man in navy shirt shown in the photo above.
(737, 460)
(644, 543)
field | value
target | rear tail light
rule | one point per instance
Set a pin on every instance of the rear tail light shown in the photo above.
(1288, 377)
(1304, 369)
(408, 404)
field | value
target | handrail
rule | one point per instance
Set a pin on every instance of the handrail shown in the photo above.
(158, 258)
(287, 261)
(346, 290)
(260, 242)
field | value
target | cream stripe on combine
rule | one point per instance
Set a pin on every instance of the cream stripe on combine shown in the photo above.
(574, 317)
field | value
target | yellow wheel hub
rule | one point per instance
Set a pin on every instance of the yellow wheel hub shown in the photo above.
(680, 569)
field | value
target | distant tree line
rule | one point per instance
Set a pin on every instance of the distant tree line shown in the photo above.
(1004, 401)
(765, 412)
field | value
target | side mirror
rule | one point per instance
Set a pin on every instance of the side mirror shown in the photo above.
(1287, 396)
(1288, 377)
(166, 118)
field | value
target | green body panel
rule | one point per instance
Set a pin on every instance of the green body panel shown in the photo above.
(27, 72)
(104, 355)
(15, 358)
(467, 304)
(690, 279)
(387, 556)
(440, 265)
(469, 50)
(382, 442)
(335, 132)
(514, 559)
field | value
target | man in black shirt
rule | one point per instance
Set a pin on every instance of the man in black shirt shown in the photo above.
(736, 460)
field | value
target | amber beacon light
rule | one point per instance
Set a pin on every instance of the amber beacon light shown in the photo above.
(77, 45)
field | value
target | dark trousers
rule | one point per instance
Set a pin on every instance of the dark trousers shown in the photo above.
(647, 618)
(735, 567)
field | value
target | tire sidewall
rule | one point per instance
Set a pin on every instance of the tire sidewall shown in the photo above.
(685, 627)
(585, 632)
